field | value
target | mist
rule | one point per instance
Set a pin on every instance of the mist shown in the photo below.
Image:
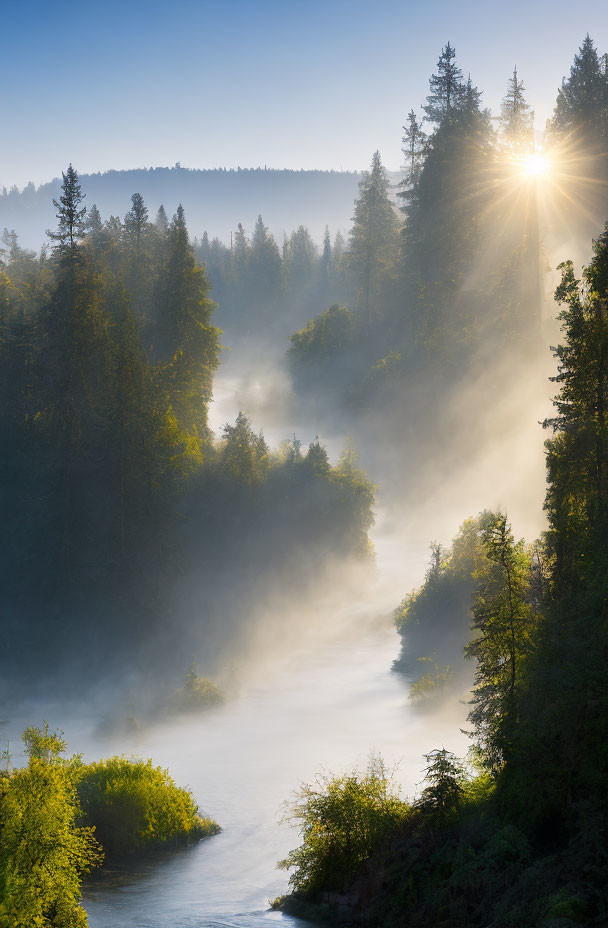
(262, 431)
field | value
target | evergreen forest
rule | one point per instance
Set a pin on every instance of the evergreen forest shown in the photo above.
(222, 452)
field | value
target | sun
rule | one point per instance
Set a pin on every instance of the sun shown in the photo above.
(535, 164)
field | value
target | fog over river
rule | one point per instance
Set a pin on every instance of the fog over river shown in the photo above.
(316, 694)
(325, 706)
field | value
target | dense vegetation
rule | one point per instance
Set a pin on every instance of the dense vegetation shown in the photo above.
(134, 536)
(127, 515)
(135, 807)
(434, 620)
(44, 849)
(216, 199)
(524, 842)
(60, 818)
(447, 293)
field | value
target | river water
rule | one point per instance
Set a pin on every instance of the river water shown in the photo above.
(320, 701)
(321, 707)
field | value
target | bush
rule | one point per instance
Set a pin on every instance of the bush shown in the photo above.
(43, 852)
(137, 807)
(428, 688)
(328, 334)
(343, 822)
(197, 693)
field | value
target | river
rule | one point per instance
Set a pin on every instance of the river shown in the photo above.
(320, 702)
(321, 707)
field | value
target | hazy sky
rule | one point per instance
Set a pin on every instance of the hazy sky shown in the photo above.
(286, 83)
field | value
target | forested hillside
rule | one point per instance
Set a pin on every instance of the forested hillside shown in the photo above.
(422, 326)
(128, 523)
(449, 299)
(518, 838)
(515, 835)
(216, 200)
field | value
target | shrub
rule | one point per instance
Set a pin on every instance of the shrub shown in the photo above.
(43, 852)
(197, 693)
(343, 821)
(430, 686)
(136, 807)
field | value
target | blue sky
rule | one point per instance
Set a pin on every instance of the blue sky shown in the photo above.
(298, 83)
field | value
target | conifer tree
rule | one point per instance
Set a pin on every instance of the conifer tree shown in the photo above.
(97, 234)
(414, 146)
(562, 756)
(503, 621)
(516, 117)
(263, 276)
(71, 226)
(446, 86)
(241, 249)
(582, 101)
(373, 241)
(187, 342)
(578, 456)
(136, 220)
(300, 259)
(326, 253)
(162, 223)
(244, 454)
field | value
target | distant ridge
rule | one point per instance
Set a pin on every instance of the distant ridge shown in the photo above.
(215, 200)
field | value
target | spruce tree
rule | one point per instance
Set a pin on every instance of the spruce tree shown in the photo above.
(97, 235)
(71, 225)
(263, 273)
(414, 147)
(516, 117)
(136, 220)
(373, 242)
(582, 101)
(446, 86)
(503, 623)
(326, 253)
(186, 342)
(162, 223)
(578, 455)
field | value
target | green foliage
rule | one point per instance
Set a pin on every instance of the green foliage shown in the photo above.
(524, 843)
(504, 623)
(244, 455)
(186, 341)
(442, 798)
(432, 684)
(43, 744)
(578, 454)
(196, 694)
(60, 818)
(115, 487)
(582, 101)
(70, 214)
(436, 617)
(44, 852)
(373, 243)
(343, 821)
(383, 370)
(557, 780)
(136, 807)
(354, 500)
(326, 335)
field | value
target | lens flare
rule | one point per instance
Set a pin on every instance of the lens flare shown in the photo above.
(536, 164)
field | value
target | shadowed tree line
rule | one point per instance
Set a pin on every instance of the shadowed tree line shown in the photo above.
(119, 503)
(451, 284)
(520, 838)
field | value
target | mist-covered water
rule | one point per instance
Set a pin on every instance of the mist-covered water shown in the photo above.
(322, 706)
(316, 694)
